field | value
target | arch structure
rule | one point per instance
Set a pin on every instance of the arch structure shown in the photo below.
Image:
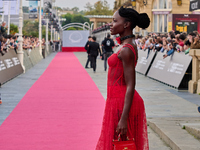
(85, 26)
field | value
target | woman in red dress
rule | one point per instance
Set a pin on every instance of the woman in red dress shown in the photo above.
(124, 112)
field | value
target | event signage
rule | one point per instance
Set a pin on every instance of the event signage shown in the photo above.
(170, 70)
(194, 5)
(186, 22)
(47, 9)
(10, 66)
(33, 9)
(144, 61)
(9, 7)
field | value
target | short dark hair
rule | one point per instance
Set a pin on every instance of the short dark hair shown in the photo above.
(89, 37)
(192, 34)
(108, 36)
(182, 37)
(94, 38)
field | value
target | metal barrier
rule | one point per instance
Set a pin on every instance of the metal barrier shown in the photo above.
(32, 57)
(10, 66)
(194, 84)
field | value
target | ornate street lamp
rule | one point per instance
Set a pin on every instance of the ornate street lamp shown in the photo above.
(145, 2)
(133, 2)
(179, 2)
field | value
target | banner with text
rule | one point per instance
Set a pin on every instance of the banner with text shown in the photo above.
(33, 9)
(144, 61)
(9, 7)
(194, 5)
(10, 66)
(47, 9)
(170, 70)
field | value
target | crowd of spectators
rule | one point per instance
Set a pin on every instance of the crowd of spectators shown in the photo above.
(8, 42)
(169, 43)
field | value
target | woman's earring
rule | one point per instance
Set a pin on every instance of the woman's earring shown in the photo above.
(124, 27)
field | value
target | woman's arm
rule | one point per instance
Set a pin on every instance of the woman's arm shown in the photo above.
(128, 60)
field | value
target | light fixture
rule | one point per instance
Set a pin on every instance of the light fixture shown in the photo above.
(145, 2)
(179, 2)
(133, 2)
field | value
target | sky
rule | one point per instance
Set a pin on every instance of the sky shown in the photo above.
(74, 3)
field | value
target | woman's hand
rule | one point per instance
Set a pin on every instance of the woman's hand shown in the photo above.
(122, 127)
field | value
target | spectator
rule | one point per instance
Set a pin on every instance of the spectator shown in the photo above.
(3, 29)
(170, 51)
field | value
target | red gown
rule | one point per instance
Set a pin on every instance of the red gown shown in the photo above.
(116, 89)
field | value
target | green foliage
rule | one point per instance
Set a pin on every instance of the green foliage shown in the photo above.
(31, 28)
(71, 28)
(13, 29)
(75, 10)
(78, 18)
(101, 7)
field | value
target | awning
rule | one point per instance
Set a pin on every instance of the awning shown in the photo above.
(194, 5)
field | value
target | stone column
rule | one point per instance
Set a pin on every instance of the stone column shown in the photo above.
(195, 72)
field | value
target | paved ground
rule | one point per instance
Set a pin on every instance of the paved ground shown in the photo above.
(162, 102)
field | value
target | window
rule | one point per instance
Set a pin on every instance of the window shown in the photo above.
(161, 9)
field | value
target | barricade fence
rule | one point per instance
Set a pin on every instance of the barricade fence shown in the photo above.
(10, 66)
(175, 70)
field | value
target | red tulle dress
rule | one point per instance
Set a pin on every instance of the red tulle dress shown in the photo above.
(116, 89)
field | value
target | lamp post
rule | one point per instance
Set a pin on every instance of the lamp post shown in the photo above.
(20, 52)
(179, 2)
(51, 32)
(40, 29)
(2, 17)
(47, 35)
(133, 2)
(145, 2)
(8, 31)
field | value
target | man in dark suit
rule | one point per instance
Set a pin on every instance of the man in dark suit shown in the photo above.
(94, 51)
(86, 48)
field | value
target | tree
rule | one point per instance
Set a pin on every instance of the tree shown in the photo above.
(101, 7)
(75, 10)
(71, 28)
(31, 28)
(89, 7)
(71, 18)
(13, 29)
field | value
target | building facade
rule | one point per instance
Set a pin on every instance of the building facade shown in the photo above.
(163, 14)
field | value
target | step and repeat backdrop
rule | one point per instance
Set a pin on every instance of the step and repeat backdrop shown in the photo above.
(74, 41)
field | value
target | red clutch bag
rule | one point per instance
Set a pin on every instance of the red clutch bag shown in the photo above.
(129, 144)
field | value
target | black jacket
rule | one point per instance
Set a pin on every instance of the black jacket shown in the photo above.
(108, 44)
(94, 49)
(86, 46)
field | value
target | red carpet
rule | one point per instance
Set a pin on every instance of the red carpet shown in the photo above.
(63, 110)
